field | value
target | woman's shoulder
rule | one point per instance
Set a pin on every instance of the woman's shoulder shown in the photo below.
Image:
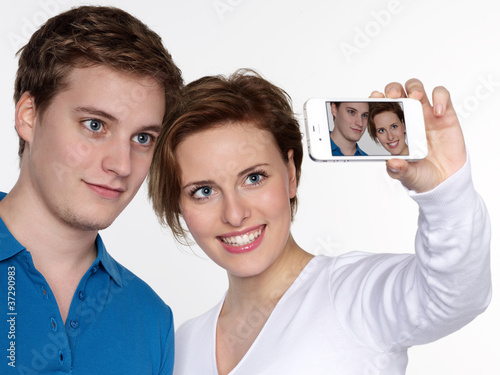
(203, 325)
(340, 260)
(195, 343)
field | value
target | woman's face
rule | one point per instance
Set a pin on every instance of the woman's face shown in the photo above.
(390, 131)
(235, 196)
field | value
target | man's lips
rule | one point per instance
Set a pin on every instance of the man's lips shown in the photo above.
(106, 191)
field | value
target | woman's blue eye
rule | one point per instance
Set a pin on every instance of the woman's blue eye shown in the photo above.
(203, 192)
(253, 178)
(93, 124)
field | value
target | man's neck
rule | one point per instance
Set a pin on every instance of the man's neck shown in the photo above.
(347, 147)
(40, 231)
(49, 240)
(60, 253)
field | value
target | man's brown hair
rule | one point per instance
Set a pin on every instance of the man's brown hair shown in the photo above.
(88, 36)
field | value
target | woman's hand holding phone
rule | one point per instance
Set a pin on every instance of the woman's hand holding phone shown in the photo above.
(445, 140)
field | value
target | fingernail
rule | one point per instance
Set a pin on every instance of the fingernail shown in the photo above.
(393, 91)
(438, 109)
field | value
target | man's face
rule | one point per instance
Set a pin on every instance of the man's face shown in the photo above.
(91, 149)
(350, 119)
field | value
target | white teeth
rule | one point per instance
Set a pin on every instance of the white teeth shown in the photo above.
(242, 240)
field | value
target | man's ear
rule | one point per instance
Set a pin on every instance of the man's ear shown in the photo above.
(292, 175)
(25, 117)
(333, 109)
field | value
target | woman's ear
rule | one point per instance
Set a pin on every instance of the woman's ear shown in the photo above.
(25, 117)
(292, 175)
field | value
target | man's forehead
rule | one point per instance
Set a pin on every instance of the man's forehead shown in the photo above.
(357, 105)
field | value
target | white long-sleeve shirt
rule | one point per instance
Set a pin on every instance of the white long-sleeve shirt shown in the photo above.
(358, 313)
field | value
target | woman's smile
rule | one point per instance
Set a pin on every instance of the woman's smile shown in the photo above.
(243, 243)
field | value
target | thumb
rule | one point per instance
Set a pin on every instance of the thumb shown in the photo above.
(418, 176)
(402, 170)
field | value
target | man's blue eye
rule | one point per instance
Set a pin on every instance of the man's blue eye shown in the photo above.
(93, 124)
(143, 138)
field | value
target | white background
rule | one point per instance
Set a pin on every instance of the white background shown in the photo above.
(312, 48)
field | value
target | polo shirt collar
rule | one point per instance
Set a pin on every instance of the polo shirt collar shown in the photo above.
(107, 262)
(336, 149)
(9, 247)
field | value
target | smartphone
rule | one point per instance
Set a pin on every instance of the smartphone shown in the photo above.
(365, 129)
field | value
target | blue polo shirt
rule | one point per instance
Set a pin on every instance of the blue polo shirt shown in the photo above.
(116, 323)
(337, 152)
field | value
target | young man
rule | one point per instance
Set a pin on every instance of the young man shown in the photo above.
(350, 120)
(91, 93)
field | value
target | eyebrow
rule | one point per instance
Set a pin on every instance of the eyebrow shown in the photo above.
(355, 110)
(199, 183)
(151, 128)
(97, 112)
(253, 167)
(212, 182)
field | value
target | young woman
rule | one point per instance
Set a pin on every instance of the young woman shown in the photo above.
(386, 126)
(229, 162)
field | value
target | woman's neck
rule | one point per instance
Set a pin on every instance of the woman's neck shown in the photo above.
(265, 289)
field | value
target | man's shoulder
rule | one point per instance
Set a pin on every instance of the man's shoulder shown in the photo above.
(359, 151)
(137, 290)
(335, 149)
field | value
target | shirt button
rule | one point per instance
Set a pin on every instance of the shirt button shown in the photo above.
(73, 324)
(81, 295)
(53, 324)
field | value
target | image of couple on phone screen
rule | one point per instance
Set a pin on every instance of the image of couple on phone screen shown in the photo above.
(350, 120)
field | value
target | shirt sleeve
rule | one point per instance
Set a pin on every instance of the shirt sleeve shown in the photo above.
(169, 349)
(398, 300)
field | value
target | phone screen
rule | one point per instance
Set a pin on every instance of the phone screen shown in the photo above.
(373, 128)
(365, 129)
